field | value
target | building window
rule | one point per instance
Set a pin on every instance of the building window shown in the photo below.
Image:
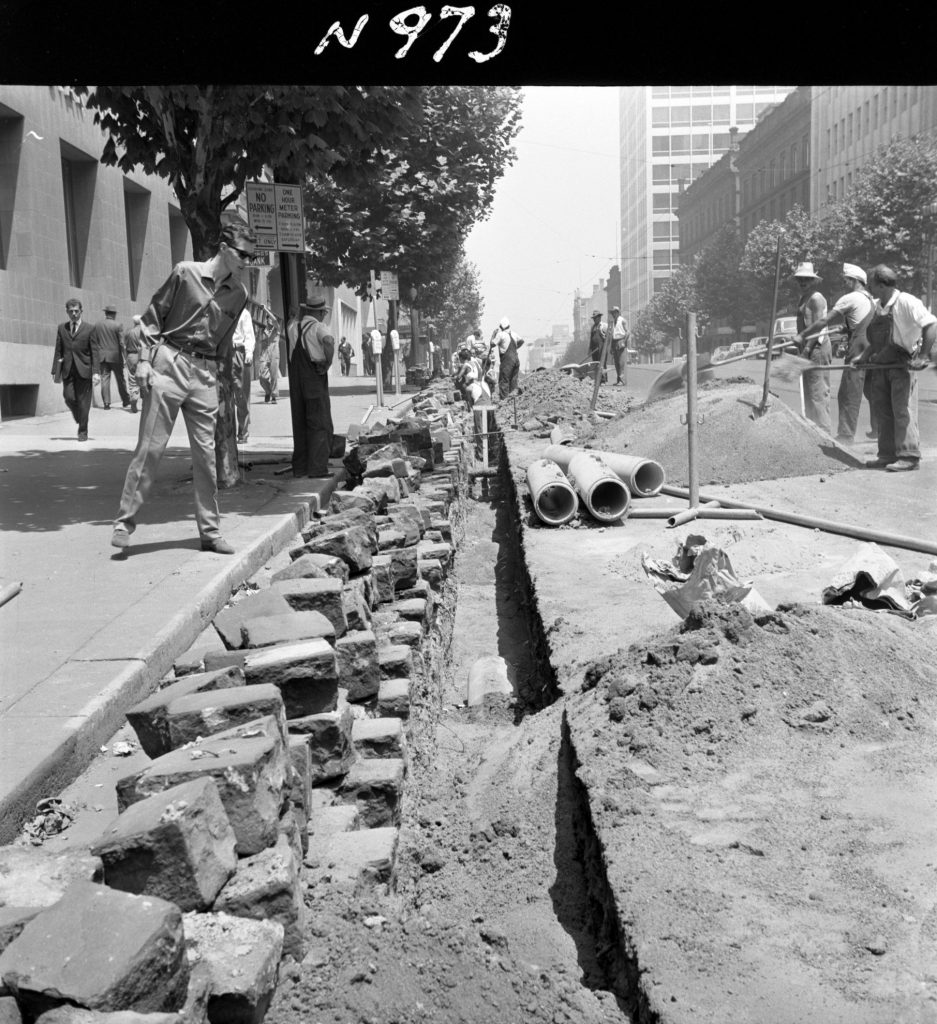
(894, 101)
(178, 235)
(865, 118)
(904, 97)
(915, 90)
(760, 108)
(680, 117)
(79, 172)
(679, 144)
(662, 259)
(660, 117)
(701, 144)
(794, 167)
(722, 90)
(849, 131)
(703, 114)
(875, 112)
(782, 166)
(721, 142)
(11, 142)
(660, 174)
(659, 283)
(772, 175)
(661, 231)
(662, 202)
(660, 91)
(660, 145)
(136, 213)
(744, 111)
(721, 113)
(805, 151)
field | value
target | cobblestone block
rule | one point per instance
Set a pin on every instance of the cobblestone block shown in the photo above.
(431, 570)
(316, 595)
(379, 737)
(353, 545)
(312, 566)
(101, 949)
(230, 621)
(148, 718)
(387, 539)
(383, 570)
(249, 766)
(205, 714)
(360, 860)
(291, 627)
(359, 670)
(393, 698)
(31, 879)
(341, 501)
(409, 634)
(404, 566)
(375, 495)
(396, 661)
(293, 825)
(328, 736)
(386, 487)
(443, 527)
(375, 786)
(328, 821)
(413, 609)
(355, 604)
(215, 660)
(267, 888)
(305, 673)
(178, 845)
(242, 957)
(194, 658)
(441, 552)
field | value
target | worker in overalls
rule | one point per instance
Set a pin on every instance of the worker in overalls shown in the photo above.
(810, 308)
(507, 344)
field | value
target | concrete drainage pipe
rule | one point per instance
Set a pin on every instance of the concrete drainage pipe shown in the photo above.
(603, 492)
(643, 477)
(554, 499)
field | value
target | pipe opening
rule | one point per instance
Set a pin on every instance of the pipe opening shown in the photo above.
(648, 479)
(556, 504)
(609, 500)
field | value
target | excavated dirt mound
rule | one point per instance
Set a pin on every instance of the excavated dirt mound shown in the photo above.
(733, 445)
(764, 790)
(555, 395)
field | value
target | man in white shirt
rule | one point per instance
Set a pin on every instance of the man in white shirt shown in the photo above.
(901, 331)
(854, 311)
(620, 337)
(244, 342)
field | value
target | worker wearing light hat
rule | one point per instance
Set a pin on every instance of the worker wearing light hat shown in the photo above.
(816, 347)
(597, 336)
(853, 311)
(504, 343)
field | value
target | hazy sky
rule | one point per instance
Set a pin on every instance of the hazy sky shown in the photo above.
(554, 223)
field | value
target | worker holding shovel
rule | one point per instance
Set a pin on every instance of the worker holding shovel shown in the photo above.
(810, 309)
(901, 334)
(854, 311)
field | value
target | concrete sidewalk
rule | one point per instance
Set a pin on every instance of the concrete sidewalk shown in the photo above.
(93, 630)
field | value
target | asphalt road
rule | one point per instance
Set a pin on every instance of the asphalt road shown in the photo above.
(642, 375)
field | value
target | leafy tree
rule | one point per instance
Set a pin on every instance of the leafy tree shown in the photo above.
(417, 195)
(803, 237)
(459, 306)
(207, 140)
(645, 337)
(725, 291)
(884, 217)
(678, 296)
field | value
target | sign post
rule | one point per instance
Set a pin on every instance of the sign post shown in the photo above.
(377, 342)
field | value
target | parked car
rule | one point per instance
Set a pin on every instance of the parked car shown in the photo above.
(757, 345)
(737, 348)
(719, 354)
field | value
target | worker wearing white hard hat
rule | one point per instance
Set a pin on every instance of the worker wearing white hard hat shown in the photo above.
(504, 343)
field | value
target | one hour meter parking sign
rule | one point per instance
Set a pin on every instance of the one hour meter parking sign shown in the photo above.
(275, 214)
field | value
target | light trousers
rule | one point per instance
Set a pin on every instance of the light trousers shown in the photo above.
(190, 384)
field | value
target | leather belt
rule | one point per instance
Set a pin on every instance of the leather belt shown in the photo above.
(189, 354)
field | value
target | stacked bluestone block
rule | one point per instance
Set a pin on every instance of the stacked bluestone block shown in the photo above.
(278, 756)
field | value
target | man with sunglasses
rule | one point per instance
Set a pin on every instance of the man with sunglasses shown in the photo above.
(184, 339)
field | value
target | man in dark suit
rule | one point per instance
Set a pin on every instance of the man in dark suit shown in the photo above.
(72, 364)
(107, 356)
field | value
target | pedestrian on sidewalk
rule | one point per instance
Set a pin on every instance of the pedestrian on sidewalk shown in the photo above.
(597, 336)
(345, 352)
(270, 357)
(504, 344)
(620, 336)
(901, 331)
(130, 353)
(311, 350)
(107, 357)
(185, 332)
(854, 311)
(810, 309)
(72, 364)
(244, 345)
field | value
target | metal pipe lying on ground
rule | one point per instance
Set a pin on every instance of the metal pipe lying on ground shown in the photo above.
(895, 540)
(603, 492)
(10, 591)
(554, 499)
(643, 477)
(701, 512)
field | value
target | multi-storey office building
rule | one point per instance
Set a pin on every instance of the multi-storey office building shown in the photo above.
(669, 135)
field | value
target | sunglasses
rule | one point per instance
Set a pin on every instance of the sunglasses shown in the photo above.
(244, 255)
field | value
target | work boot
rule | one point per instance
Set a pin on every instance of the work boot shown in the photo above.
(217, 545)
(903, 465)
(266, 399)
(133, 406)
(120, 538)
(878, 463)
(82, 435)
